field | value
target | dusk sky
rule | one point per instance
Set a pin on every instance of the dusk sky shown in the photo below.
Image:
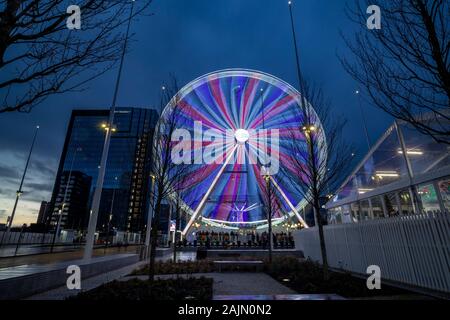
(189, 39)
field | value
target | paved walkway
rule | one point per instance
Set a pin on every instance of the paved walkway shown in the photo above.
(232, 283)
(248, 284)
(62, 293)
(236, 283)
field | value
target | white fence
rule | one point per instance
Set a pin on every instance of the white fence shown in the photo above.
(413, 250)
(25, 237)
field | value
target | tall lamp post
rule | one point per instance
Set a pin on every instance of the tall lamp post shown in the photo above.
(111, 212)
(297, 57)
(269, 214)
(19, 192)
(357, 92)
(101, 172)
(150, 216)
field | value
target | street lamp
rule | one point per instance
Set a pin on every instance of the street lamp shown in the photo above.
(19, 192)
(357, 93)
(150, 214)
(101, 173)
(111, 211)
(106, 127)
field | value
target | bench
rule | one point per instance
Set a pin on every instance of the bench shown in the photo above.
(256, 265)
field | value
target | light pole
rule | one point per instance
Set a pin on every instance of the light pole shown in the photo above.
(111, 211)
(150, 216)
(58, 224)
(101, 172)
(19, 192)
(297, 57)
(269, 214)
(363, 119)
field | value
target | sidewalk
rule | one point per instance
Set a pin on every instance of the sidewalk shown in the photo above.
(62, 293)
(49, 258)
(239, 283)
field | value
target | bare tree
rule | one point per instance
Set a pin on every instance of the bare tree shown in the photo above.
(40, 56)
(321, 160)
(170, 178)
(272, 204)
(182, 182)
(404, 66)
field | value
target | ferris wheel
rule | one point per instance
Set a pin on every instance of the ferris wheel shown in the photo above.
(234, 131)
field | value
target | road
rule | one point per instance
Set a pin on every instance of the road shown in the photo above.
(59, 254)
(10, 250)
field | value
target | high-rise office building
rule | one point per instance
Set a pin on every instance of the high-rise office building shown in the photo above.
(72, 200)
(124, 200)
(42, 212)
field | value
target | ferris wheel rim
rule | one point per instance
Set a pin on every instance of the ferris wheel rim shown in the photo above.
(250, 73)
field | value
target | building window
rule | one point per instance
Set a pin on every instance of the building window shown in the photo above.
(334, 216)
(356, 215)
(365, 209)
(346, 214)
(377, 207)
(428, 197)
(390, 202)
(444, 189)
(406, 205)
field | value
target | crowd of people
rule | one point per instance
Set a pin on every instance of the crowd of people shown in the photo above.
(236, 239)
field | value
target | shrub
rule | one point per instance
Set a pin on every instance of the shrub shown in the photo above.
(135, 289)
(306, 277)
(168, 267)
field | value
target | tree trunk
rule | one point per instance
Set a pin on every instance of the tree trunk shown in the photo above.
(270, 236)
(154, 240)
(323, 249)
(177, 224)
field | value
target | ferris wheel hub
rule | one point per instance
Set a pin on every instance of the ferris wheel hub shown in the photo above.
(241, 136)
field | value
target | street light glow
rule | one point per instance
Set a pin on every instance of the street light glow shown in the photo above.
(363, 190)
(381, 174)
(413, 152)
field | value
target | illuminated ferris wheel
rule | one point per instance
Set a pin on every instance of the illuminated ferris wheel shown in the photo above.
(235, 130)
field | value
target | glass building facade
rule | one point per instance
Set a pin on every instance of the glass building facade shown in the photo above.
(405, 172)
(124, 204)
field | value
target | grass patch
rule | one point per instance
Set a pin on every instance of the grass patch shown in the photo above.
(306, 277)
(135, 289)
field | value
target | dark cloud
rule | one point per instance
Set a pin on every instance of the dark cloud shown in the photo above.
(44, 167)
(5, 192)
(9, 172)
(45, 186)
